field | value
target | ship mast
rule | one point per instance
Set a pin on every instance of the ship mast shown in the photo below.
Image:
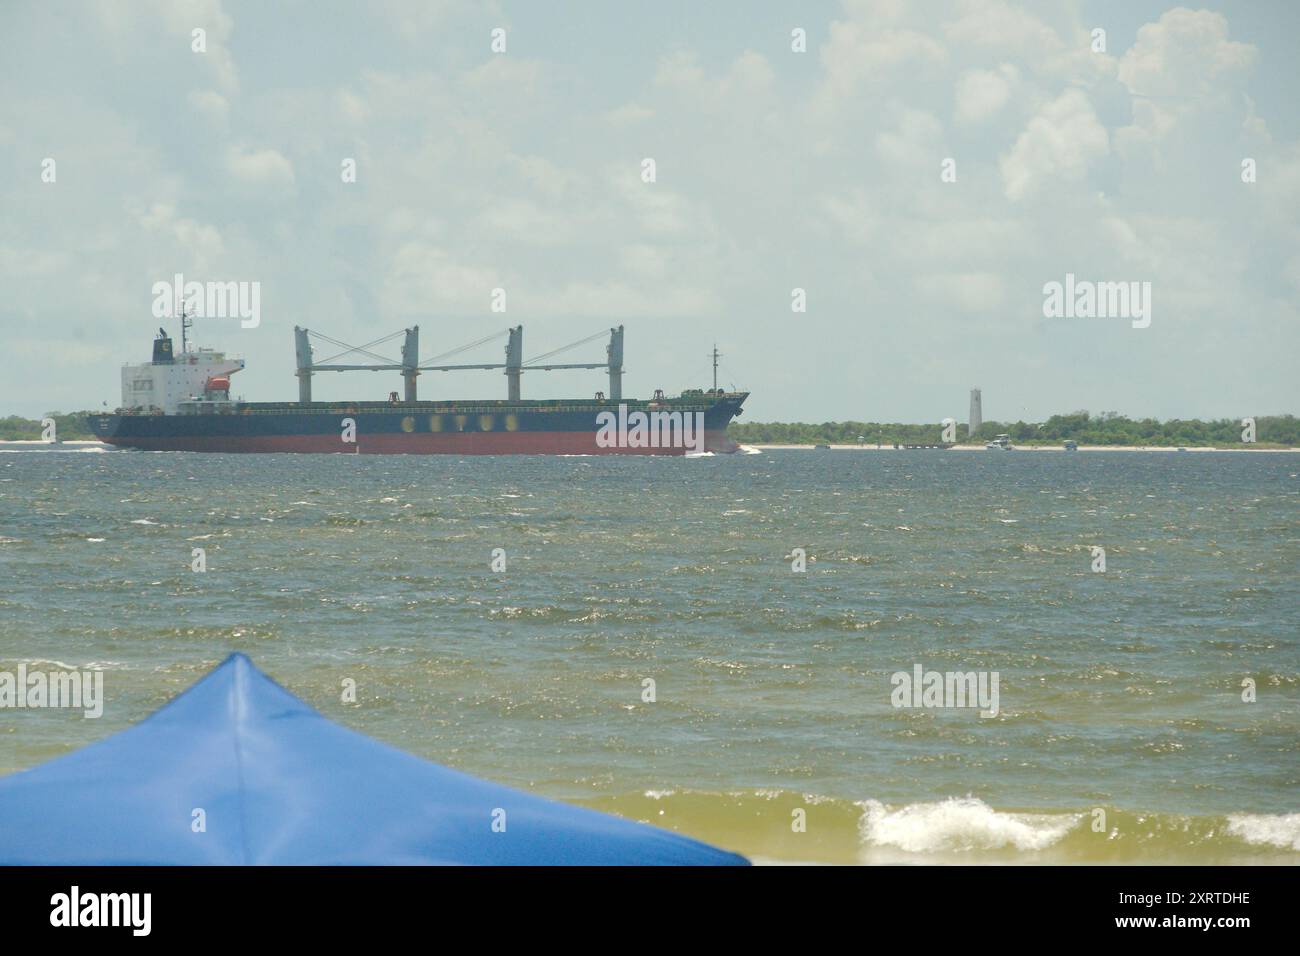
(186, 322)
(716, 355)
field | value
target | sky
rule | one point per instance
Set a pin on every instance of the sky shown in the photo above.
(920, 170)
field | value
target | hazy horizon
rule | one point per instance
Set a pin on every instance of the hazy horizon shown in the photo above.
(775, 170)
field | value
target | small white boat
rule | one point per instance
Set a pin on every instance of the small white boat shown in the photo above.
(1002, 442)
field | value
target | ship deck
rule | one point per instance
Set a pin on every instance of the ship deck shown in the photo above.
(702, 402)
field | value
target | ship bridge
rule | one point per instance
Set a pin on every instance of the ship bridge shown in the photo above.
(171, 380)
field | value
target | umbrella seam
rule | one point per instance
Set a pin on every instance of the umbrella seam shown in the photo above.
(237, 689)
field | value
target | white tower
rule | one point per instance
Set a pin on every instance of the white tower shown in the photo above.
(976, 412)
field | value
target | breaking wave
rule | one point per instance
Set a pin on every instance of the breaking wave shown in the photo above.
(766, 826)
(962, 825)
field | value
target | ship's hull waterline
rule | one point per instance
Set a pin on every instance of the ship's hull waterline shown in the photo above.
(432, 430)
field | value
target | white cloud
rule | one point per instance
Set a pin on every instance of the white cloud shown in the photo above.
(523, 220)
(353, 107)
(127, 24)
(748, 79)
(856, 213)
(981, 94)
(654, 208)
(1186, 53)
(974, 292)
(259, 167)
(628, 114)
(860, 55)
(1182, 64)
(197, 243)
(914, 142)
(419, 22)
(997, 26)
(509, 78)
(424, 277)
(211, 104)
(1056, 148)
(656, 299)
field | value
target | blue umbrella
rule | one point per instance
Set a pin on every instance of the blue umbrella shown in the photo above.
(237, 770)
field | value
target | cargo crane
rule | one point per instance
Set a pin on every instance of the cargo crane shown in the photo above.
(411, 367)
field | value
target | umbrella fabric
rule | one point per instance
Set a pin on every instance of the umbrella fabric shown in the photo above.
(236, 770)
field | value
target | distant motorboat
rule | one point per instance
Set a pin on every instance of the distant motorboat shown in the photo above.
(1071, 446)
(1002, 442)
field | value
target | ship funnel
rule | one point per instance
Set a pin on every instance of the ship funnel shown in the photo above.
(162, 349)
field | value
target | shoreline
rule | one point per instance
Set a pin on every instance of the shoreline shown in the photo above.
(35, 444)
(1027, 448)
(79, 445)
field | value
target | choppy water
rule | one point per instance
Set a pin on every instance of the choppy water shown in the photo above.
(1119, 691)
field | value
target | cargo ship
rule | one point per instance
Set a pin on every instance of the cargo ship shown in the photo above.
(180, 401)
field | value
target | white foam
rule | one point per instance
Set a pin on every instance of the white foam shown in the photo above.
(959, 824)
(23, 445)
(1280, 830)
(43, 664)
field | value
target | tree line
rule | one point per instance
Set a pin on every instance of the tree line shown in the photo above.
(1108, 428)
(69, 427)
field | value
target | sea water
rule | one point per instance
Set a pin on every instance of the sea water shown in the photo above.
(632, 634)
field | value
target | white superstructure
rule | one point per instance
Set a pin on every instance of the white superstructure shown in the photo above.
(163, 384)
